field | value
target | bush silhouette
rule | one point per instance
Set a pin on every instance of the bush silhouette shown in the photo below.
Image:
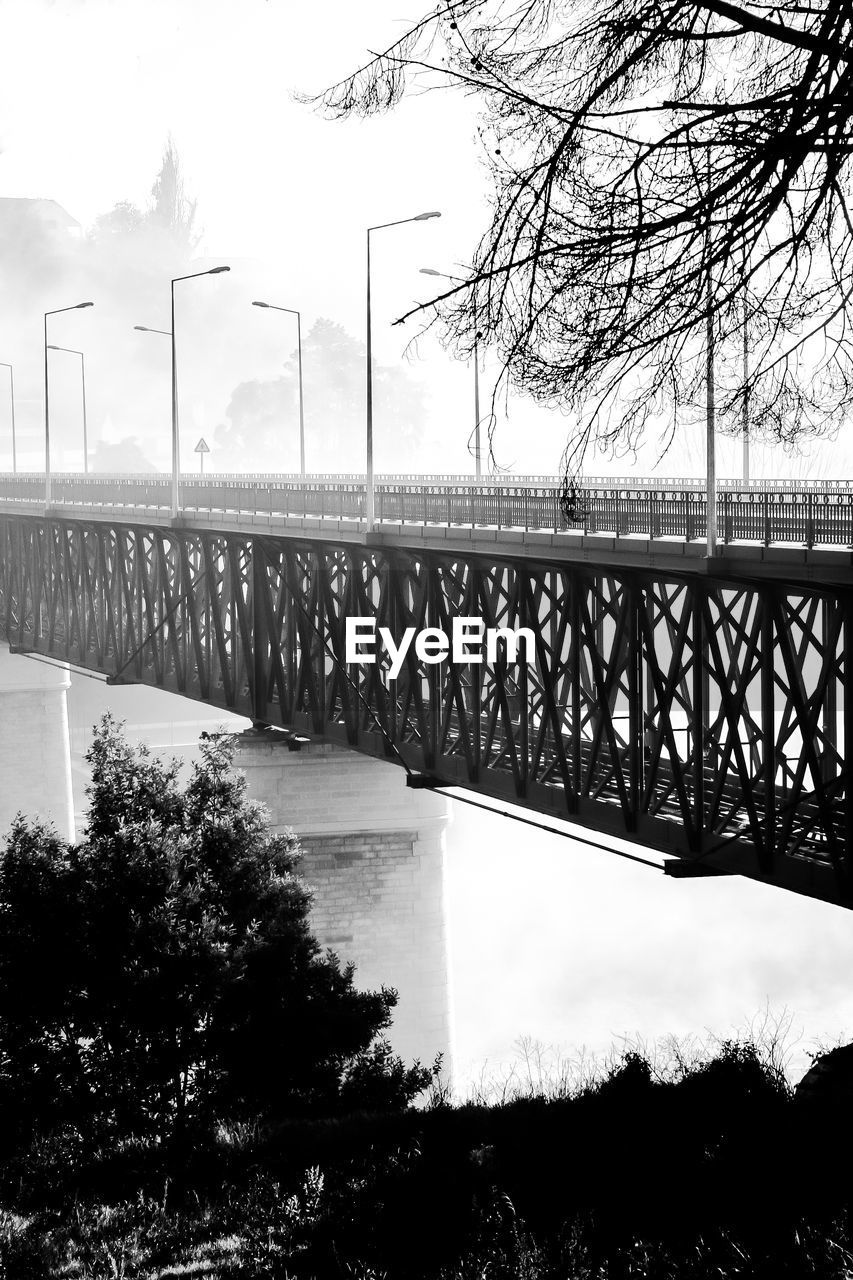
(162, 973)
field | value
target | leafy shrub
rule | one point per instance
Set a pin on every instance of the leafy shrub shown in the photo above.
(29, 1249)
(162, 972)
(276, 1227)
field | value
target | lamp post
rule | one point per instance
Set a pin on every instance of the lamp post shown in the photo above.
(71, 351)
(710, 423)
(710, 389)
(369, 509)
(78, 306)
(268, 306)
(6, 365)
(176, 451)
(144, 328)
(745, 412)
(478, 470)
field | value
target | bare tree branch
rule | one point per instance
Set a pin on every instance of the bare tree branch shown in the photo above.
(638, 148)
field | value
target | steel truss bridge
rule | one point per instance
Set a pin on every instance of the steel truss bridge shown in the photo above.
(697, 707)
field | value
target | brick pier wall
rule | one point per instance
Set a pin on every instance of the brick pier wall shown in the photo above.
(374, 855)
(35, 753)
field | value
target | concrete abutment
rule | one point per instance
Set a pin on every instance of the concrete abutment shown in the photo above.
(374, 854)
(35, 751)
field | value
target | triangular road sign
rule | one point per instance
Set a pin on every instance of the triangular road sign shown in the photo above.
(202, 446)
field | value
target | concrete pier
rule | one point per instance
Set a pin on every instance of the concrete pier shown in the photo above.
(374, 854)
(35, 754)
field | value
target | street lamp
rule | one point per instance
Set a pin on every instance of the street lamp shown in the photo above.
(176, 453)
(710, 387)
(268, 306)
(745, 410)
(71, 351)
(78, 306)
(176, 446)
(478, 470)
(369, 512)
(6, 365)
(143, 328)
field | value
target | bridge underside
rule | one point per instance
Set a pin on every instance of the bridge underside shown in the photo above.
(703, 716)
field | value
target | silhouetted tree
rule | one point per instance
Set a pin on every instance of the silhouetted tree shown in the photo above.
(171, 208)
(121, 457)
(122, 219)
(656, 165)
(162, 972)
(128, 258)
(167, 224)
(263, 416)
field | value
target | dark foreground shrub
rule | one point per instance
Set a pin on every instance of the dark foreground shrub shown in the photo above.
(29, 1249)
(713, 1171)
(276, 1229)
(162, 972)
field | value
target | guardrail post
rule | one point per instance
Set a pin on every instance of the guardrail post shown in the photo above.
(767, 529)
(809, 520)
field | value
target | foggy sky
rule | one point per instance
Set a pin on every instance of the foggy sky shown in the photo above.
(91, 90)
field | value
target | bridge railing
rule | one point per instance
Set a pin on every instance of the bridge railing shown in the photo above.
(35, 480)
(804, 516)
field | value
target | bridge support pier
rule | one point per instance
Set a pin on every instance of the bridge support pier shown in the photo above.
(35, 751)
(374, 854)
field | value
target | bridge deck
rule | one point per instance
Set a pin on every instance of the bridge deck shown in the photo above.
(825, 564)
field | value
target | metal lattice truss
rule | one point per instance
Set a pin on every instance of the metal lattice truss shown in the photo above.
(703, 716)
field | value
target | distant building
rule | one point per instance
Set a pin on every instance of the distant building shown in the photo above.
(56, 221)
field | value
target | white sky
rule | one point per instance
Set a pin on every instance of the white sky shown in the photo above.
(549, 939)
(90, 90)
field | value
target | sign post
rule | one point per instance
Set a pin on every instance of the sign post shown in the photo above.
(201, 449)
